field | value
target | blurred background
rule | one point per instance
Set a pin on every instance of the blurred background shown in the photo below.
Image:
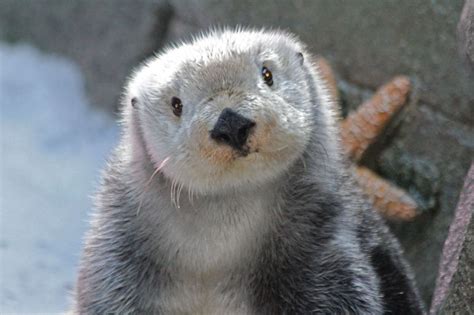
(63, 64)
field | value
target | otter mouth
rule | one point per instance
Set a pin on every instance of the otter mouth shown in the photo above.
(243, 151)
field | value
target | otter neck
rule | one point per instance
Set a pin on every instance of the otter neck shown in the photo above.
(208, 234)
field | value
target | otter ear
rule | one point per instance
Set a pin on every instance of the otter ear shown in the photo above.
(300, 57)
(134, 102)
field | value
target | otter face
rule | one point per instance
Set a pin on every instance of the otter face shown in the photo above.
(226, 111)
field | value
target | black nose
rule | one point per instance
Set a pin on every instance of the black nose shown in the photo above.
(232, 128)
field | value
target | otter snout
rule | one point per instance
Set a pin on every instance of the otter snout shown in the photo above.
(232, 129)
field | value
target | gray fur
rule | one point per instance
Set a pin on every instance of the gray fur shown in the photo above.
(281, 231)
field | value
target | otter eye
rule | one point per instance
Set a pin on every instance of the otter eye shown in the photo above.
(177, 106)
(134, 102)
(267, 76)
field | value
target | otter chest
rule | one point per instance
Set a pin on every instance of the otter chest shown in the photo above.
(189, 297)
(211, 247)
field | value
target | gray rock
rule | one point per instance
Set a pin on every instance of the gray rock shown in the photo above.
(454, 292)
(428, 155)
(466, 33)
(460, 299)
(106, 38)
(368, 41)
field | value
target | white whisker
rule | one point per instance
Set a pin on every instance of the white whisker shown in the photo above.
(189, 195)
(173, 184)
(147, 184)
(303, 161)
(279, 149)
(180, 188)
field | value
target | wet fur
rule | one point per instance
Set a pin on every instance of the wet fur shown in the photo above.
(301, 240)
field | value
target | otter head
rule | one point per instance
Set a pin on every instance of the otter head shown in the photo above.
(229, 110)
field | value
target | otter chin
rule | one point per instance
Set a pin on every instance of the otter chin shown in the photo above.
(229, 194)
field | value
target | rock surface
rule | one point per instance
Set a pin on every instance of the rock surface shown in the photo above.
(460, 299)
(466, 33)
(106, 38)
(454, 293)
(427, 150)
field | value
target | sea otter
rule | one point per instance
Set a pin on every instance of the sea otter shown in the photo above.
(229, 194)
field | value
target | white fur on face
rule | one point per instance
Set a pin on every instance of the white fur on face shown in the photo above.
(208, 75)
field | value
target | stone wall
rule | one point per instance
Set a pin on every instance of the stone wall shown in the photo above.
(106, 38)
(430, 145)
(454, 293)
